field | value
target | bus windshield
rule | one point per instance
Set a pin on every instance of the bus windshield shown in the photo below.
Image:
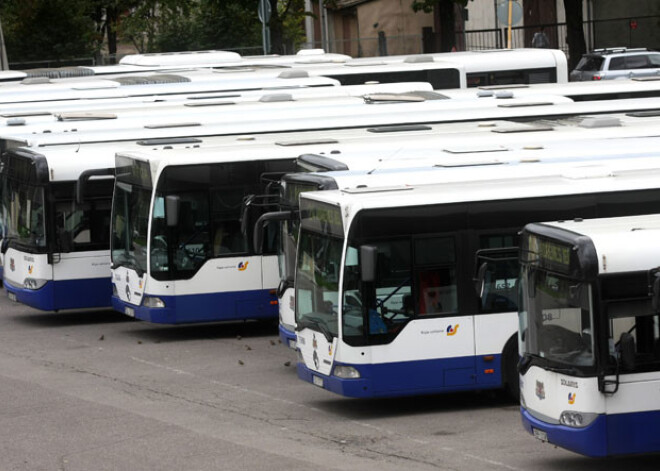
(317, 282)
(319, 265)
(130, 215)
(559, 318)
(26, 225)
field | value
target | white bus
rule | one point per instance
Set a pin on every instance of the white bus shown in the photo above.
(256, 118)
(443, 70)
(590, 334)
(385, 297)
(443, 145)
(183, 220)
(109, 142)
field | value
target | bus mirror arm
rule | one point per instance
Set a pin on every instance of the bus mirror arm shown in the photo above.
(172, 204)
(84, 178)
(480, 280)
(654, 275)
(262, 222)
(607, 386)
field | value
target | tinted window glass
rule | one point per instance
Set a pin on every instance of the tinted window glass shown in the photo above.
(590, 64)
(617, 63)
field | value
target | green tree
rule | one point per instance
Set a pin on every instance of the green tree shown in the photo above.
(161, 25)
(49, 29)
(286, 25)
(107, 15)
(230, 24)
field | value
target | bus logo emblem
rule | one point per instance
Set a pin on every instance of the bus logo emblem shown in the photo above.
(571, 398)
(12, 265)
(30, 268)
(540, 390)
(242, 266)
(452, 329)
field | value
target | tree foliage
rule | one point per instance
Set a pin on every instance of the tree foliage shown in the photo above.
(49, 29)
(61, 29)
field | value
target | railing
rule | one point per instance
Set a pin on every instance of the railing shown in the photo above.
(631, 32)
(640, 31)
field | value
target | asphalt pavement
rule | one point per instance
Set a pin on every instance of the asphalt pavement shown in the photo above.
(98, 391)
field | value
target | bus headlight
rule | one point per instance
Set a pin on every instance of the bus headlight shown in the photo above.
(576, 419)
(346, 372)
(153, 301)
(33, 283)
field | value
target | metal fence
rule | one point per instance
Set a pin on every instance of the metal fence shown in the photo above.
(631, 32)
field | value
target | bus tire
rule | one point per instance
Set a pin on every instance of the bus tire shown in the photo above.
(510, 377)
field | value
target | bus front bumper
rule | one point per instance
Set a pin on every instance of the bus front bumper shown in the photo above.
(287, 337)
(588, 441)
(207, 307)
(90, 293)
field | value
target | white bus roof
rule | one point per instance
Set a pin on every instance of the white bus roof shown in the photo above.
(140, 63)
(433, 169)
(198, 81)
(499, 183)
(379, 150)
(301, 114)
(29, 114)
(377, 158)
(623, 244)
(313, 114)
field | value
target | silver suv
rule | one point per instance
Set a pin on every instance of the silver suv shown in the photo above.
(617, 63)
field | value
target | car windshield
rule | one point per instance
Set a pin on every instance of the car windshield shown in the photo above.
(558, 313)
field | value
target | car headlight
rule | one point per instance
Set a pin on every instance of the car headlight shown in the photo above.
(576, 419)
(346, 372)
(153, 301)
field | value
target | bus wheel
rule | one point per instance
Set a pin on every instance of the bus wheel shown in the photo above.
(510, 376)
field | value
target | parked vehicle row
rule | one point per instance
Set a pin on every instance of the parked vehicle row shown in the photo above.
(380, 223)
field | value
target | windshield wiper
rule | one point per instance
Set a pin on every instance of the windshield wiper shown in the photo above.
(567, 371)
(315, 323)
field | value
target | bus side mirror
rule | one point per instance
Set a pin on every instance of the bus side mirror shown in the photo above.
(172, 204)
(368, 260)
(480, 280)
